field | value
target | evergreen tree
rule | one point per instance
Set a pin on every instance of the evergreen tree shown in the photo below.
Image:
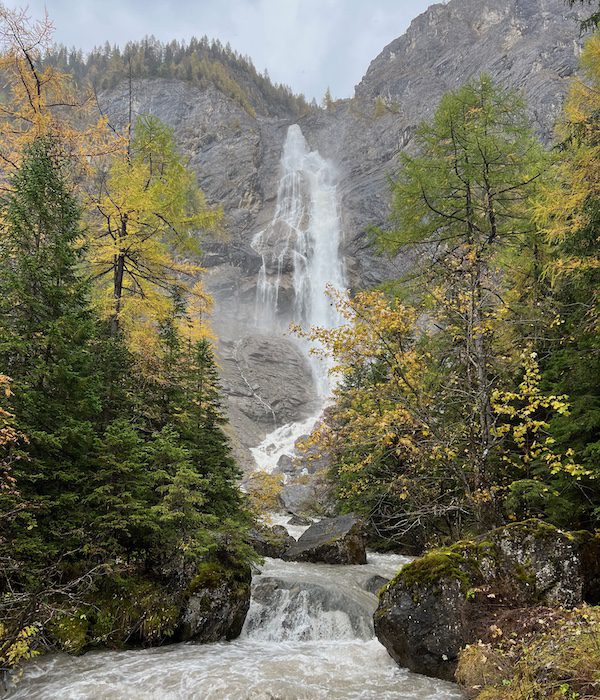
(46, 343)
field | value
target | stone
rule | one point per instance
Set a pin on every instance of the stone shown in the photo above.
(270, 541)
(297, 498)
(447, 598)
(338, 540)
(375, 583)
(218, 604)
(299, 520)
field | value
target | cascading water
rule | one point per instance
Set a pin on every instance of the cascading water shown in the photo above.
(302, 243)
(309, 631)
(308, 636)
(301, 259)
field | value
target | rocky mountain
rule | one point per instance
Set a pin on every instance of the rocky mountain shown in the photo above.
(532, 45)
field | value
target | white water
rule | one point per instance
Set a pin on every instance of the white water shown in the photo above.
(303, 243)
(281, 442)
(308, 636)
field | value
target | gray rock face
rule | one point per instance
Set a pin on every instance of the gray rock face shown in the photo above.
(218, 605)
(443, 601)
(268, 383)
(331, 541)
(531, 45)
(297, 498)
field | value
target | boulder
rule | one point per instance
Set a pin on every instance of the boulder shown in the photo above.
(331, 541)
(297, 498)
(375, 583)
(218, 604)
(450, 597)
(299, 520)
(270, 541)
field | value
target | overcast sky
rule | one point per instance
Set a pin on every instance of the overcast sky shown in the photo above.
(307, 44)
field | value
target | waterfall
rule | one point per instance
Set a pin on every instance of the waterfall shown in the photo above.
(301, 260)
(309, 632)
(300, 250)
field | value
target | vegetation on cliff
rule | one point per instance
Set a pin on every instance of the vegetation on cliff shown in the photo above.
(200, 61)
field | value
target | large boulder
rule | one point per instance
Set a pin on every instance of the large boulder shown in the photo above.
(450, 597)
(331, 541)
(270, 541)
(218, 604)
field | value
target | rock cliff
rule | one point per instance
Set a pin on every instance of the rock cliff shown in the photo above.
(531, 45)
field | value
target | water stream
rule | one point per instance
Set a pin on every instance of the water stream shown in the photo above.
(301, 260)
(308, 636)
(309, 631)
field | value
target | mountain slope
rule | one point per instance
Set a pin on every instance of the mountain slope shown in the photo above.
(532, 45)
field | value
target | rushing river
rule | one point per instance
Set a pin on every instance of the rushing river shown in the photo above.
(308, 636)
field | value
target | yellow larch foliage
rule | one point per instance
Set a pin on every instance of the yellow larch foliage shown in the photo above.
(562, 209)
(40, 101)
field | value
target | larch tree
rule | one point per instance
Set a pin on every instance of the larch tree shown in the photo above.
(568, 211)
(461, 205)
(42, 101)
(148, 212)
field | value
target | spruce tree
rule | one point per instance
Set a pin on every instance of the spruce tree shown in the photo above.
(46, 345)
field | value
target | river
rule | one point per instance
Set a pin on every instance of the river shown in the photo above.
(308, 635)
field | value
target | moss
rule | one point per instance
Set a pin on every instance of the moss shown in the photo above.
(524, 575)
(460, 562)
(213, 573)
(538, 529)
(134, 610)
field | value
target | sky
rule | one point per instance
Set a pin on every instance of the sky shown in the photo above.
(309, 45)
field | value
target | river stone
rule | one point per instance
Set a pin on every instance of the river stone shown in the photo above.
(218, 604)
(270, 541)
(449, 597)
(375, 583)
(299, 520)
(331, 541)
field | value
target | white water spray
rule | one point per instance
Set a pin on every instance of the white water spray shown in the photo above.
(301, 256)
(301, 248)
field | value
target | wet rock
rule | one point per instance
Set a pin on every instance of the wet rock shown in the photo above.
(444, 600)
(331, 541)
(299, 520)
(218, 604)
(285, 465)
(375, 583)
(270, 541)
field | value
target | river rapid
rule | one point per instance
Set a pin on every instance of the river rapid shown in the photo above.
(308, 635)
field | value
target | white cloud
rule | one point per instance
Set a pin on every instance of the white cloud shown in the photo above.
(307, 44)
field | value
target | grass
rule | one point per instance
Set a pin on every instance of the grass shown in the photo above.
(540, 654)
